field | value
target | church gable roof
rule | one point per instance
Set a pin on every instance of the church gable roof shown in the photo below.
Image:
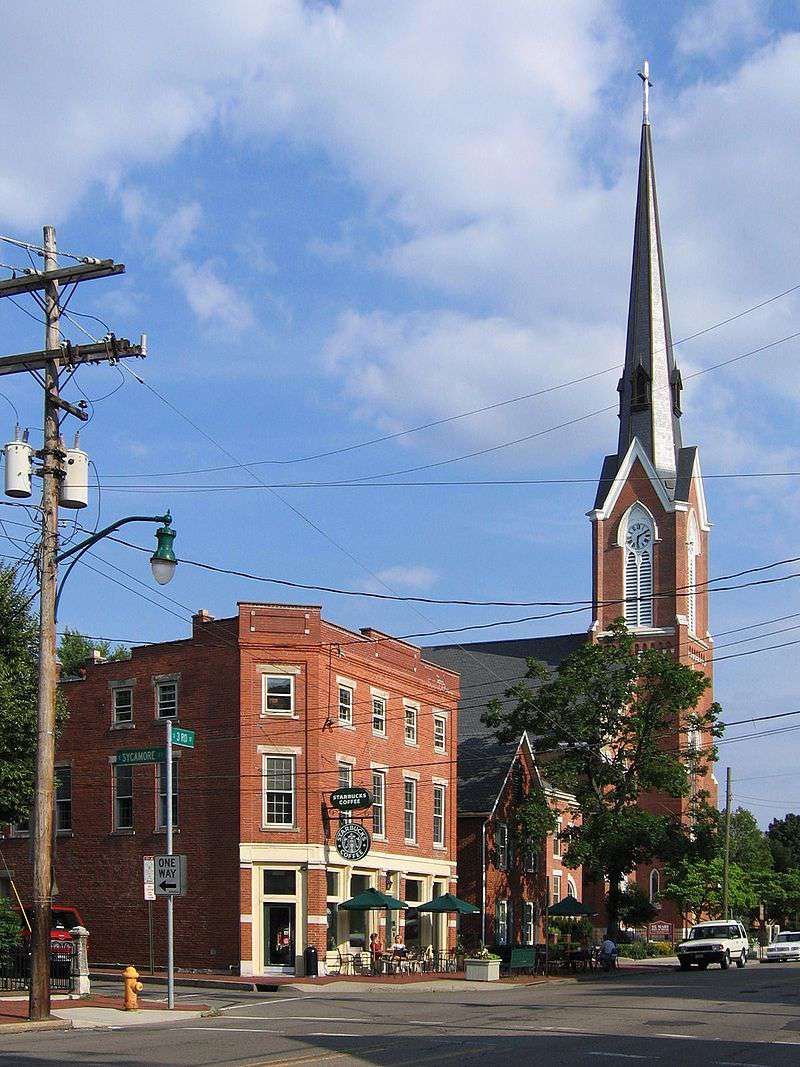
(487, 669)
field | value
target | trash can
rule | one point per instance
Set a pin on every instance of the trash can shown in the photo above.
(312, 961)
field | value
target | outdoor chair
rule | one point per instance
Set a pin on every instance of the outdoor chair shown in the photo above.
(346, 963)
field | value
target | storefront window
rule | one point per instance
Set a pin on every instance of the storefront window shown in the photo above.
(279, 883)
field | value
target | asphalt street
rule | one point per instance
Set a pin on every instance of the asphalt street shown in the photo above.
(747, 1018)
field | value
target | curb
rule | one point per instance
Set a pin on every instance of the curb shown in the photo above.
(26, 1027)
(191, 983)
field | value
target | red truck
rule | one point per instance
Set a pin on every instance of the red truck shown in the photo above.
(64, 918)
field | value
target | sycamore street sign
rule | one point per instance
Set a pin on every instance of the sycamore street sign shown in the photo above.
(128, 756)
(183, 737)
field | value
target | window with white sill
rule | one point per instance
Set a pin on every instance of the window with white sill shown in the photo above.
(277, 694)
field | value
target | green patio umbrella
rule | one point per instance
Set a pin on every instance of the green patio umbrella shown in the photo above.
(569, 908)
(449, 903)
(373, 900)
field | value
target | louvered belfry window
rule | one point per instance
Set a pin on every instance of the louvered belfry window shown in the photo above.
(638, 548)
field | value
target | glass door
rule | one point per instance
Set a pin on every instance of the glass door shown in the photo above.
(279, 935)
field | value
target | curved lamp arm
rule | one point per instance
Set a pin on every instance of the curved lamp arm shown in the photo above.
(76, 551)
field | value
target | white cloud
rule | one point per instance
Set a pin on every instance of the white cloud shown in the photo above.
(414, 577)
(211, 299)
(714, 26)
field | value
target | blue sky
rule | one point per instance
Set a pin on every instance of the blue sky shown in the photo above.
(343, 220)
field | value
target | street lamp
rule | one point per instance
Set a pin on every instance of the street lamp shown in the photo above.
(163, 562)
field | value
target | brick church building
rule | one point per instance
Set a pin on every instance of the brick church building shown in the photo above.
(649, 562)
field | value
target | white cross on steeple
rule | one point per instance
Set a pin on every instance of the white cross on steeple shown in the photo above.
(647, 85)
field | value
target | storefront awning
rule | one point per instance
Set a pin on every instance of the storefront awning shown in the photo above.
(449, 903)
(373, 900)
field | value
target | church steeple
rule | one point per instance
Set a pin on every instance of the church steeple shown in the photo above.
(650, 385)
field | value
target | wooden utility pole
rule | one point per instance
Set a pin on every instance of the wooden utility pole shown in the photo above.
(49, 362)
(44, 800)
(727, 860)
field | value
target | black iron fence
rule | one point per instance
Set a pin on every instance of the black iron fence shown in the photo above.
(15, 967)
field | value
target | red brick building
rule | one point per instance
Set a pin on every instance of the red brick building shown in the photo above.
(287, 707)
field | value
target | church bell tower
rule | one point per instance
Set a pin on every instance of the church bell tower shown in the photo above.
(649, 522)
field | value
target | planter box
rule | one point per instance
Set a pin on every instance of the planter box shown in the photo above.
(482, 970)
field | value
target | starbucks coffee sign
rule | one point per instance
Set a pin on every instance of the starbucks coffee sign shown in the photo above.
(352, 841)
(351, 799)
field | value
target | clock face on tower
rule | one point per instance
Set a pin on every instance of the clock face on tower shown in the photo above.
(639, 537)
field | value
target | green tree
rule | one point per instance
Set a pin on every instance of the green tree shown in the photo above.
(75, 649)
(749, 845)
(605, 717)
(783, 837)
(696, 887)
(9, 929)
(635, 907)
(18, 694)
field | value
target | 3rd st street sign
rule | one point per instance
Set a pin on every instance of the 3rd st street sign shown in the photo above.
(170, 876)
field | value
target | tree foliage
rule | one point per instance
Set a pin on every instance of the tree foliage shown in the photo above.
(635, 906)
(19, 684)
(19, 646)
(75, 649)
(783, 837)
(9, 929)
(608, 718)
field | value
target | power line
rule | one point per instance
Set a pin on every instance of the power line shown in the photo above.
(464, 414)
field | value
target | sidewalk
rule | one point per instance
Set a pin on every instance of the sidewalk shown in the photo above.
(91, 1012)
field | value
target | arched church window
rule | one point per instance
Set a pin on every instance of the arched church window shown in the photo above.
(655, 885)
(638, 577)
(692, 552)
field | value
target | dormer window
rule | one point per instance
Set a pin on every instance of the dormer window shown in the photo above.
(640, 397)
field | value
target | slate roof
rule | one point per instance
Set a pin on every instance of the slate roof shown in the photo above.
(487, 669)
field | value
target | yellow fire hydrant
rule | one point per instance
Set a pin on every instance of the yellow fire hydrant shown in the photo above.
(130, 977)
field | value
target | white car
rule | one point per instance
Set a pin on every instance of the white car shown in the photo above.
(786, 946)
(714, 942)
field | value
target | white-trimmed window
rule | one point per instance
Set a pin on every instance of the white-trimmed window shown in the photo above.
(167, 700)
(277, 694)
(411, 715)
(279, 790)
(410, 809)
(692, 552)
(556, 888)
(572, 889)
(439, 733)
(637, 545)
(161, 811)
(501, 922)
(530, 860)
(122, 704)
(501, 845)
(123, 797)
(529, 922)
(378, 803)
(655, 885)
(557, 844)
(345, 705)
(379, 715)
(63, 799)
(439, 802)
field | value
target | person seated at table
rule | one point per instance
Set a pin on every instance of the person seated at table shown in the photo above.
(375, 949)
(398, 948)
(608, 953)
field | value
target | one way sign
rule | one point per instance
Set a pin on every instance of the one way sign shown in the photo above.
(170, 876)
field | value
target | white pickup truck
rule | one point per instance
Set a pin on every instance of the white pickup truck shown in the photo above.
(714, 942)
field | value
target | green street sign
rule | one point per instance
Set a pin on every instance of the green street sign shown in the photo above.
(126, 757)
(182, 737)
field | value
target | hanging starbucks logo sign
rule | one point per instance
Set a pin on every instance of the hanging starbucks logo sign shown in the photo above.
(352, 841)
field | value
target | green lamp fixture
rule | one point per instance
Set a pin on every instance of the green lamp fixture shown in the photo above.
(163, 562)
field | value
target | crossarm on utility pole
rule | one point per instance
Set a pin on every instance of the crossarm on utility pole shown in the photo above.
(72, 355)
